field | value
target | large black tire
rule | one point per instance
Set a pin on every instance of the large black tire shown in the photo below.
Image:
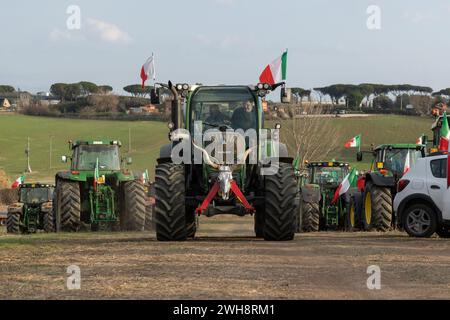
(68, 205)
(133, 206)
(355, 213)
(413, 218)
(13, 223)
(377, 206)
(49, 221)
(280, 204)
(310, 217)
(170, 210)
(191, 222)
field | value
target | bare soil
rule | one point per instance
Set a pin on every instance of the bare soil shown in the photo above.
(224, 262)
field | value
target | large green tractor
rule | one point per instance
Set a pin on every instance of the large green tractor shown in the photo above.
(371, 208)
(244, 183)
(34, 210)
(97, 192)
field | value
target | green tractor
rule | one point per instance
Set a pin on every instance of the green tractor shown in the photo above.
(33, 212)
(245, 183)
(97, 192)
(371, 207)
(318, 212)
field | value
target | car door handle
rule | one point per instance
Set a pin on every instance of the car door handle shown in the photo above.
(435, 187)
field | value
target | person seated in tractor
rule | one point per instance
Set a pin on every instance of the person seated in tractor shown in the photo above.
(244, 118)
(216, 117)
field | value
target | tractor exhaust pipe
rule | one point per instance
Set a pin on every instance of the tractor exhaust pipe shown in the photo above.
(176, 112)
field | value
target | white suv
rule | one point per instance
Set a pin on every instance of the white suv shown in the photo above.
(422, 203)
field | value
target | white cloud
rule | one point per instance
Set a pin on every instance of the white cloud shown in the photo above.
(108, 32)
(94, 30)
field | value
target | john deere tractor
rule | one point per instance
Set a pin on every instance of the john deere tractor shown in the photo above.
(319, 212)
(254, 179)
(371, 208)
(34, 210)
(97, 192)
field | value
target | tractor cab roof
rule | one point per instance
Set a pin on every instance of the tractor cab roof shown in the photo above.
(35, 186)
(330, 164)
(96, 142)
(412, 146)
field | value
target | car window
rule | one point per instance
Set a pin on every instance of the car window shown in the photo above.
(439, 168)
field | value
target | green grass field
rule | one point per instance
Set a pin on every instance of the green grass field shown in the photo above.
(147, 137)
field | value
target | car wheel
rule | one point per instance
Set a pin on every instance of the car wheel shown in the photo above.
(420, 221)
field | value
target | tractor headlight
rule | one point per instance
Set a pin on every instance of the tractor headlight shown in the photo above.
(179, 87)
(185, 87)
(171, 125)
(260, 86)
(266, 86)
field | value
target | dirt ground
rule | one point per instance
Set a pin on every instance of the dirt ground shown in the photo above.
(225, 262)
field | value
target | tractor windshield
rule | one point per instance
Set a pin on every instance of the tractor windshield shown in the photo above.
(234, 107)
(35, 195)
(107, 155)
(395, 159)
(329, 175)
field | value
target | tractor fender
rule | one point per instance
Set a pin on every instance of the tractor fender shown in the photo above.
(16, 208)
(68, 176)
(310, 193)
(379, 180)
(165, 154)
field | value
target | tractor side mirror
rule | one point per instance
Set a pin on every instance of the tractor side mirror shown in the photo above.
(154, 96)
(278, 126)
(359, 156)
(64, 159)
(129, 160)
(286, 95)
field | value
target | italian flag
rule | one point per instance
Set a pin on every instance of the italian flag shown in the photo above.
(353, 142)
(445, 134)
(148, 70)
(345, 185)
(419, 140)
(18, 182)
(276, 71)
(407, 164)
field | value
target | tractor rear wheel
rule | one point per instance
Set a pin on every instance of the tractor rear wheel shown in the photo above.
(13, 223)
(191, 222)
(377, 208)
(310, 217)
(68, 205)
(170, 210)
(280, 205)
(49, 224)
(133, 206)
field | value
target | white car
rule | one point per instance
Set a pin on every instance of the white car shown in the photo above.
(422, 203)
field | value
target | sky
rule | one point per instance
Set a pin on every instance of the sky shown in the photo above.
(224, 41)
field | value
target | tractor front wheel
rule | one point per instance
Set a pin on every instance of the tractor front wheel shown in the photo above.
(133, 216)
(377, 208)
(280, 204)
(13, 223)
(170, 210)
(68, 205)
(310, 217)
(49, 224)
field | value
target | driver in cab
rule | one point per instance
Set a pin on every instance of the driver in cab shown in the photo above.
(244, 117)
(216, 117)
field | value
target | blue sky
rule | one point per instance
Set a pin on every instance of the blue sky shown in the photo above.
(224, 41)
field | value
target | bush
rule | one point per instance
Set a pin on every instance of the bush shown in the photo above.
(37, 109)
(103, 103)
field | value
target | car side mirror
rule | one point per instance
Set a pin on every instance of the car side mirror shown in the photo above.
(359, 156)
(286, 95)
(64, 159)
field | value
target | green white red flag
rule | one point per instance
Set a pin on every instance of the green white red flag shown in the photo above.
(148, 70)
(407, 164)
(18, 182)
(96, 175)
(445, 134)
(345, 185)
(419, 140)
(276, 71)
(353, 142)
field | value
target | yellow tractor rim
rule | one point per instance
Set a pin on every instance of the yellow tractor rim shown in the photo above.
(368, 208)
(352, 215)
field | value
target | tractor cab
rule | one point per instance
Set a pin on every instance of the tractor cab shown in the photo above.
(396, 159)
(35, 194)
(327, 174)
